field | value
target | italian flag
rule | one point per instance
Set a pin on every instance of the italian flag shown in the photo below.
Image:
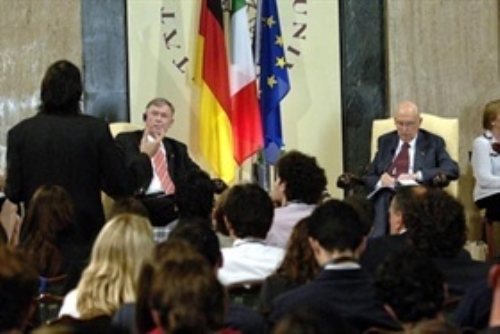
(245, 114)
(216, 138)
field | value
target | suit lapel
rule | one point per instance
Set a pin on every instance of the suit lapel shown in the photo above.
(420, 151)
(391, 151)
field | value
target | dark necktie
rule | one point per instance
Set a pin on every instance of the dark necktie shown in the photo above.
(401, 163)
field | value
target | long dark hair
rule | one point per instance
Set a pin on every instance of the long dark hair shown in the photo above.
(299, 264)
(50, 213)
(61, 89)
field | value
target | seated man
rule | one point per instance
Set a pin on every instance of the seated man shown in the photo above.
(248, 213)
(342, 288)
(170, 163)
(298, 189)
(377, 249)
(409, 154)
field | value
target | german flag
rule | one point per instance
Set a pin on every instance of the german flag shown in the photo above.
(216, 140)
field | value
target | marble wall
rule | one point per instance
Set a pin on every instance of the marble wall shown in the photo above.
(35, 33)
(105, 59)
(444, 55)
(363, 77)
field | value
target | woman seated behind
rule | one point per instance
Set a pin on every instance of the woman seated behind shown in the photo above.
(185, 295)
(49, 235)
(110, 278)
(299, 266)
(486, 166)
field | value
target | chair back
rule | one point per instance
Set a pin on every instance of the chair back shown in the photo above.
(246, 293)
(447, 128)
(116, 128)
(50, 298)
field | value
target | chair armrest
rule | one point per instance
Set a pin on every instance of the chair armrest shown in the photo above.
(349, 180)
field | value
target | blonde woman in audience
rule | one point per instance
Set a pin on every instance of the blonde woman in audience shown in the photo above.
(110, 279)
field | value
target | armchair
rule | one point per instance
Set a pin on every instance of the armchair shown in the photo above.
(447, 128)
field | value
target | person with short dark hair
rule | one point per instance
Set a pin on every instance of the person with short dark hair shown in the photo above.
(413, 290)
(194, 199)
(298, 189)
(170, 163)
(436, 228)
(342, 288)
(18, 289)
(248, 212)
(61, 146)
(377, 249)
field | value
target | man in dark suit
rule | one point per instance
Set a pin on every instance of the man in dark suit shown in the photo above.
(60, 146)
(342, 288)
(377, 249)
(407, 155)
(157, 193)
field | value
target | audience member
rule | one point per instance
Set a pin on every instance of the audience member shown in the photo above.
(409, 154)
(437, 229)
(486, 167)
(110, 278)
(413, 290)
(18, 289)
(129, 205)
(299, 266)
(186, 296)
(366, 212)
(194, 198)
(10, 222)
(342, 288)
(377, 249)
(298, 189)
(170, 163)
(303, 322)
(198, 234)
(248, 212)
(61, 146)
(52, 238)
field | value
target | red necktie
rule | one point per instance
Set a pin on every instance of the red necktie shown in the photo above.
(161, 168)
(401, 164)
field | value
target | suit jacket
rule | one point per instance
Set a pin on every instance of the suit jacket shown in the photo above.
(76, 152)
(179, 162)
(348, 294)
(430, 158)
(377, 249)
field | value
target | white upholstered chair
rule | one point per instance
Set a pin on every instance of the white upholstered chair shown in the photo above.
(116, 128)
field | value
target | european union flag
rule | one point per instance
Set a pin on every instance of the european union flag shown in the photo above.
(274, 82)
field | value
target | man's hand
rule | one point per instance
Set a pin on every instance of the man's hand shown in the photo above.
(150, 147)
(386, 180)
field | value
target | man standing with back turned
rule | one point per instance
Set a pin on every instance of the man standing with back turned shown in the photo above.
(407, 154)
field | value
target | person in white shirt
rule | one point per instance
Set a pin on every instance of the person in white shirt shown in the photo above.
(248, 213)
(486, 167)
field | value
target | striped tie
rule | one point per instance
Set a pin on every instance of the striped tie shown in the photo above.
(161, 168)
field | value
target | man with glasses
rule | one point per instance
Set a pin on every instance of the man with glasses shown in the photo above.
(407, 156)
